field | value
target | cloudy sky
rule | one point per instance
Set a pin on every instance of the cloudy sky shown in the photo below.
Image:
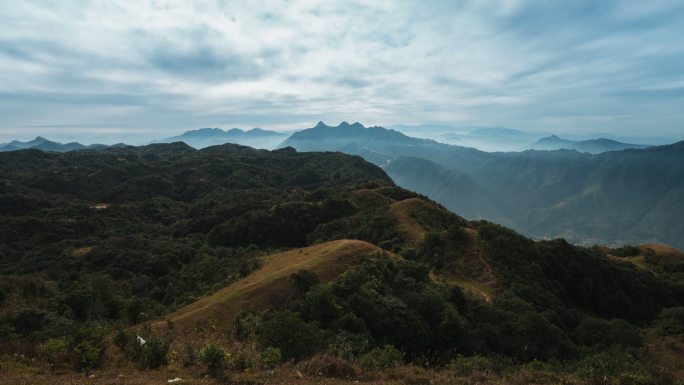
(107, 70)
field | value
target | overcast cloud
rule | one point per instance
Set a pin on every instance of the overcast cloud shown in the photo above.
(136, 70)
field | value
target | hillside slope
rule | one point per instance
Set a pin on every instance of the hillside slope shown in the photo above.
(269, 284)
(616, 197)
(456, 190)
(124, 236)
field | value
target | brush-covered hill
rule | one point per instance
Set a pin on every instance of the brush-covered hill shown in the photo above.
(616, 197)
(306, 252)
(124, 234)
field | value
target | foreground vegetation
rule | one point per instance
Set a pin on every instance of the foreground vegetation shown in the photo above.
(102, 254)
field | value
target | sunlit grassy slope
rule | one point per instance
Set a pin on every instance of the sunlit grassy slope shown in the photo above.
(269, 284)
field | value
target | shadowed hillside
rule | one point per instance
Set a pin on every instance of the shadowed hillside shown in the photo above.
(616, 197)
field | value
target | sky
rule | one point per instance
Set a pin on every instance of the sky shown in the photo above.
(107, 71)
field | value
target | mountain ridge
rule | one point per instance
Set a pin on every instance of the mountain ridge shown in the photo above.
(559, 193)
(40, 143)
(593, 146)
(206, 137)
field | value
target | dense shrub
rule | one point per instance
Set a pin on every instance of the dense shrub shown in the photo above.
(295, 338)
(126, 341)
(595, 331)
(155, 353)
(303, 280)
(670, 321)
(214, 358)
(89, 349)
(381, 358)
(52, 351)
(465, 366)
(87, 357)
(271, 358)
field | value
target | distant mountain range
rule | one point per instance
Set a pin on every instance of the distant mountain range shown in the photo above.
(483, 138)
(593, 146)
(616, 197)
(40, 143)
(205, 137)
(200, 138)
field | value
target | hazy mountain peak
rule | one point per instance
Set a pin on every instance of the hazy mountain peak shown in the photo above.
(593, 146)
(320, 124)
(350, 138)
(204, 131)
(205, 137)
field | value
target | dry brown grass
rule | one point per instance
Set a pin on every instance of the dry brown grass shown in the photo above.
(670, 355)
(81, 251)
(269, 285)
(330, 367)
(661, 254)
(406, 224)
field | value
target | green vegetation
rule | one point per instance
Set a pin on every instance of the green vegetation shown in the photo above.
(381, 358)
(310, 259)
(51, 351)
(214, 358)
(292, 336)
(179, 223)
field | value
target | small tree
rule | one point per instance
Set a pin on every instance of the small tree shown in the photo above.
(295, 338)
(126, 341)
(87, 357)
(466, 366)
(51, 351)
(382, 358)
(214, 358)
(670, 321)
(303, 280)
(155, 353)
(271, 358)
(88, 348)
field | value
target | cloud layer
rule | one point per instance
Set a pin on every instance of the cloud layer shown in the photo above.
(146, 69)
